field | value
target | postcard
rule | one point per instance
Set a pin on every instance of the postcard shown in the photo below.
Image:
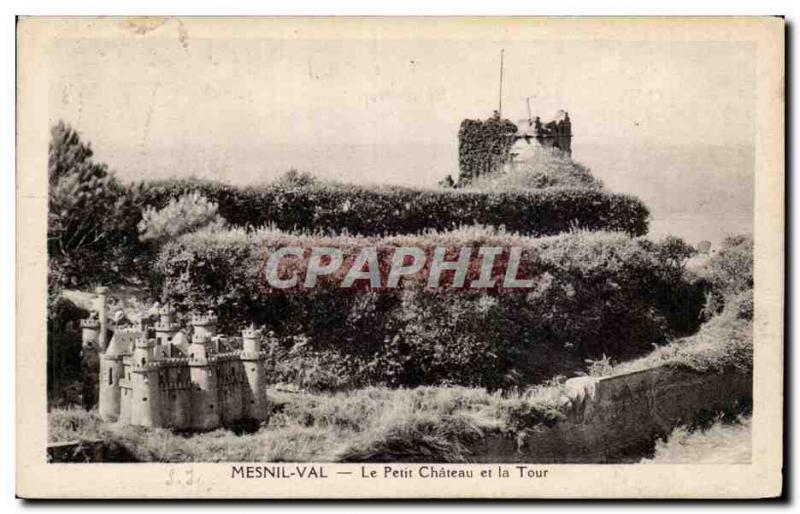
(400, 257)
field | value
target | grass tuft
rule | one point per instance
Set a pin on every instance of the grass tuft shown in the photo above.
(722, 443)
(377, 424)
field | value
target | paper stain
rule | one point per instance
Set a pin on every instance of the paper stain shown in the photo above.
(141, 25)
(183, 36)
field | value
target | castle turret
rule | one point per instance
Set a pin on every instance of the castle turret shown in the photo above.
(90, 331)
(146, 400)
(111, 369)
(255, 397)
(205, 324)
(205, 408)
(166, 327)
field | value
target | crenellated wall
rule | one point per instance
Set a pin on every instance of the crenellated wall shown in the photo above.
(186, 394)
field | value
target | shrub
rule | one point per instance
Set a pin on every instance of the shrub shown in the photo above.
(596, 294)
(725, 341)
(731, 268)
(316, 371)
(730, 272)
(679, 293)
(180, 216)
(65, 384)
(545, 167)
(675, 252)
(303, 204)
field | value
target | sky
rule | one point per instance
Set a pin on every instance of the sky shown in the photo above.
(388, 111)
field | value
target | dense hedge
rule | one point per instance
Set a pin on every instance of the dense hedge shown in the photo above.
(596, 293)
(341, 208)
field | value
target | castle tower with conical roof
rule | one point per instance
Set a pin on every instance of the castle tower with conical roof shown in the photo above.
(111, 374)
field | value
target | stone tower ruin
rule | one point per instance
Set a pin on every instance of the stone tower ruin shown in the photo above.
(497, 144)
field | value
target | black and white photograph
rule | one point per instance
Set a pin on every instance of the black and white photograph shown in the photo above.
(405, 249)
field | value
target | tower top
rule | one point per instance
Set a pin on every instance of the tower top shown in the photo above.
(90, 323)
(252, 332)
(143, 342)
(201, 320)
(165, 310)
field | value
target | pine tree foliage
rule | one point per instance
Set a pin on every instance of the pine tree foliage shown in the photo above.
(90, 214)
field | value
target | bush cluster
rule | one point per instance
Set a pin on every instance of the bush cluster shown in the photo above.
(596, 293)
(328, 207)
(180, 216)
(730, 272)
(66, 384)
(546, 167)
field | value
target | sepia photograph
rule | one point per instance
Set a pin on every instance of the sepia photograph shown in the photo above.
(422, 250)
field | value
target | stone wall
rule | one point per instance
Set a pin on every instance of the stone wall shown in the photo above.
(618, 419)
(227, 393)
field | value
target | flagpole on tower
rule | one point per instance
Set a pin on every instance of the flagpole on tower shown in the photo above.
(500, 101)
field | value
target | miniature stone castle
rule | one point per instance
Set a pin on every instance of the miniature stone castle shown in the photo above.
(170, 380)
